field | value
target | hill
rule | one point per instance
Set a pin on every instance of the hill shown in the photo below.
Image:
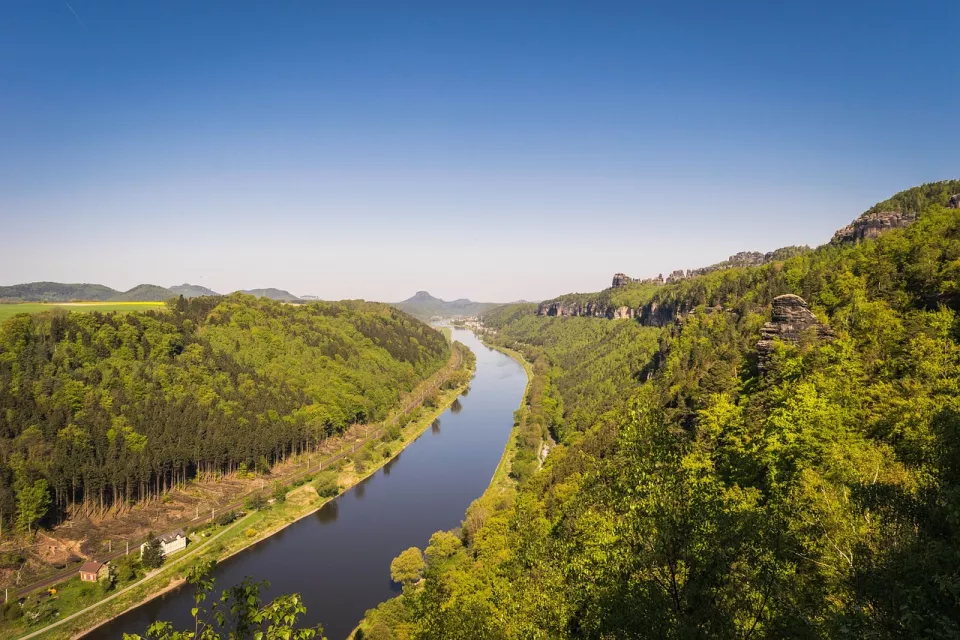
(59, 292)
(104, 409)
(779, 459)
(192, 291)
(56, 292)
(424, 305)
(144, 293)
(272, 294)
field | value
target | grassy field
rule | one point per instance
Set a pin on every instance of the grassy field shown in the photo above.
(8, 310)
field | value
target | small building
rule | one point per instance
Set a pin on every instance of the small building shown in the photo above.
(93, 571)
(170, 542)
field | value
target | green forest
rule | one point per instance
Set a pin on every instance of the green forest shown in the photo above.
(100, 409)
(694, 494)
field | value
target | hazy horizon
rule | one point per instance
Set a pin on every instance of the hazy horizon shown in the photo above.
(494, 153)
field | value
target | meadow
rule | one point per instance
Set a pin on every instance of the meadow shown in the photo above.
(12, 309)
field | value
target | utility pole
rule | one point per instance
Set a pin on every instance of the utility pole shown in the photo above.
(109, 546)
(196, 517)
(128, 548)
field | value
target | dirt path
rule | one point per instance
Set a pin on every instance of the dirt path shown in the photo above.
(136, 584)
(415, 400)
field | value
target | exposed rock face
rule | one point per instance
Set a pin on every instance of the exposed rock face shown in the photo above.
(677, 276)
(954, 201)
(872, 225)
(621, 280)
(791, 320)
(590, 310)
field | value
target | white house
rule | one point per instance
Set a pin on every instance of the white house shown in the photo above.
(169, 543)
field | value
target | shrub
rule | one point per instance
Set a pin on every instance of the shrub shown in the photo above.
(256, 502)
(407, 567)
(127, 568)
(226, 518)
(12, 611)
(327, 483)
(152, 555)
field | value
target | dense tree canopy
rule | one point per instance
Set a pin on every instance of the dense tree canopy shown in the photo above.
(694, 495)
(103, 408)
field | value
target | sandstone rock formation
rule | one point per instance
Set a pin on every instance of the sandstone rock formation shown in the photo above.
(954, 201)
(790, 322)
(621, 280)
(872, 225)
(590, 310)
(677, 276)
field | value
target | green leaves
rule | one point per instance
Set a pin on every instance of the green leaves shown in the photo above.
(238, 614)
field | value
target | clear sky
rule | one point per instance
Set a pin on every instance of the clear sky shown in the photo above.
(487, 150)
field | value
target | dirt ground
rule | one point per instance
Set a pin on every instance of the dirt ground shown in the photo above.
(83, 536)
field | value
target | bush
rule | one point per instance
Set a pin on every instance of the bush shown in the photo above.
(226, 518)
(407, 567)
(256, 502)
(12, 611)
(327, 483)
(152, 555)
(279, 492)
(127, 568)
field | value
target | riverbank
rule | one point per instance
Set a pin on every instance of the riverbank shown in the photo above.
(501, 483)
(501, 474)
(220, 543)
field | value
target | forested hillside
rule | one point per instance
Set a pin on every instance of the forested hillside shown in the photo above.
(696, 494)
(98, 409)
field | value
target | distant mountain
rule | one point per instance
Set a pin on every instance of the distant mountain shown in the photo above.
(192, 291)
(273, 294)
(145, 293)
(60, 292)
(56, 292)
(424, 305)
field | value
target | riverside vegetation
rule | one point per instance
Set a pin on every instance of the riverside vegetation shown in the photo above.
(131, 582)
(101, 412)
(694, 493)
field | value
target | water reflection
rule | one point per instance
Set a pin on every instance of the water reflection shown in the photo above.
(389, 465)
(328, 513)
(435, 426)
(343, 569)
(465, 392)
(456, 407)
(360, 489)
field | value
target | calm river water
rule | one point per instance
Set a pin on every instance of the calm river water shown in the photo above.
(338, 559)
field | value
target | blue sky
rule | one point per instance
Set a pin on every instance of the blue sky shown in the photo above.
(489, 150)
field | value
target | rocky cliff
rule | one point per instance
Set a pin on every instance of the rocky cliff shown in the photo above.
(872, 225)
(589, 309)
(791, 321)
(954, 202)
(621, 280)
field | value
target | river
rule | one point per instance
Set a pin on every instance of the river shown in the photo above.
(338, 559)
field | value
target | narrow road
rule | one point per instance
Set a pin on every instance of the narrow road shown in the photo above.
(438, 378)
(138, 583)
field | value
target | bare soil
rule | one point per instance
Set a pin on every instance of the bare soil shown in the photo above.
(86, 536)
